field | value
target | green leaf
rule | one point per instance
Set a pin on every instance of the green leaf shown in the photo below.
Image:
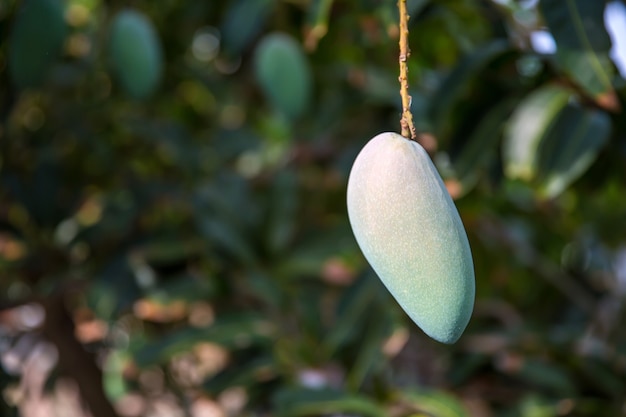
(113, 380)
(467, 367)
(232, 332)
(598, 373)
(283, 73)
(434, 403)
(583, 45)
(592, 71)
(36, 41)
(457, 84)
(317, 20)
(370, 354)
(308, 257)
(179, 287)
(283, 207)
(226, 196)
(351, 312)
(481, 144)
(243, 22)
(264, 287)
(577, 24)
(387, 12)
(571, 146)
(381, 86)
(526, 128)
(37, 191)
(548, 376)
(120, 208)
(113, 290)
(415, 7)
(227, 237)
(535, 406)
(169, 249)
(248, 374)
(219, 205)
(294, 402)
(136, 55)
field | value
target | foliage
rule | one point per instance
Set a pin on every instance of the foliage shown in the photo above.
(194, 239)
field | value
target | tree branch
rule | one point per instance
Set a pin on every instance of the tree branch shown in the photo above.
(74, 360)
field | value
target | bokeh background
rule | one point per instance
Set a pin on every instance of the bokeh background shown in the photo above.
(173, 230)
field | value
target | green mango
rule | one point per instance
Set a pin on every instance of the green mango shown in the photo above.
(135, 53)
(283, 73)
(36, 41)
(410, 232)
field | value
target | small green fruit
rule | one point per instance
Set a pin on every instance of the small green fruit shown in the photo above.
(136, 55)
(283, 73)
(410, 232)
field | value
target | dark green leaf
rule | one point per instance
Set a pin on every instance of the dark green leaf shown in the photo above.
(536, 406)
(36, 41)
(181, 287)
(457, 84)
(434, 403)
(547, 376)
(227, 237)
(577, 24)
(114, 290)
(247, 374)
(592, 71)
(282, 216)
(526, 128)
(482, 143)
(370, 355)
(218, 205)
(570, 147)
(308, 257)
(351, 312)
(296, 402)
(263, 287)
(232, 332)
(415, 7)
(598, 375)
(168, 249)
(243, 22)
(583, 45)
(380, 86)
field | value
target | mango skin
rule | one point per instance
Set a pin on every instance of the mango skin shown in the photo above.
(410, 232)
(136, 53)
(283, 73)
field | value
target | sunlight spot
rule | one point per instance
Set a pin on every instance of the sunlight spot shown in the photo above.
(206, 44)
(615, 21)
(543, 42)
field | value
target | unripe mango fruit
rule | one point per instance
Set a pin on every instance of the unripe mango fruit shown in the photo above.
(136, 53)
(283, 73)
(410, 232)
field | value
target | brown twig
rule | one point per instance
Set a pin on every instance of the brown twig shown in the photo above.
(74, 360)
(406, 121)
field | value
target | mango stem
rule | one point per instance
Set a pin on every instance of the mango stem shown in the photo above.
(406, 121)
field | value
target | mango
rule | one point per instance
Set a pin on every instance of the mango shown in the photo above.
(283, 73)
(36, 41)
(410, 232)
(135, 53)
